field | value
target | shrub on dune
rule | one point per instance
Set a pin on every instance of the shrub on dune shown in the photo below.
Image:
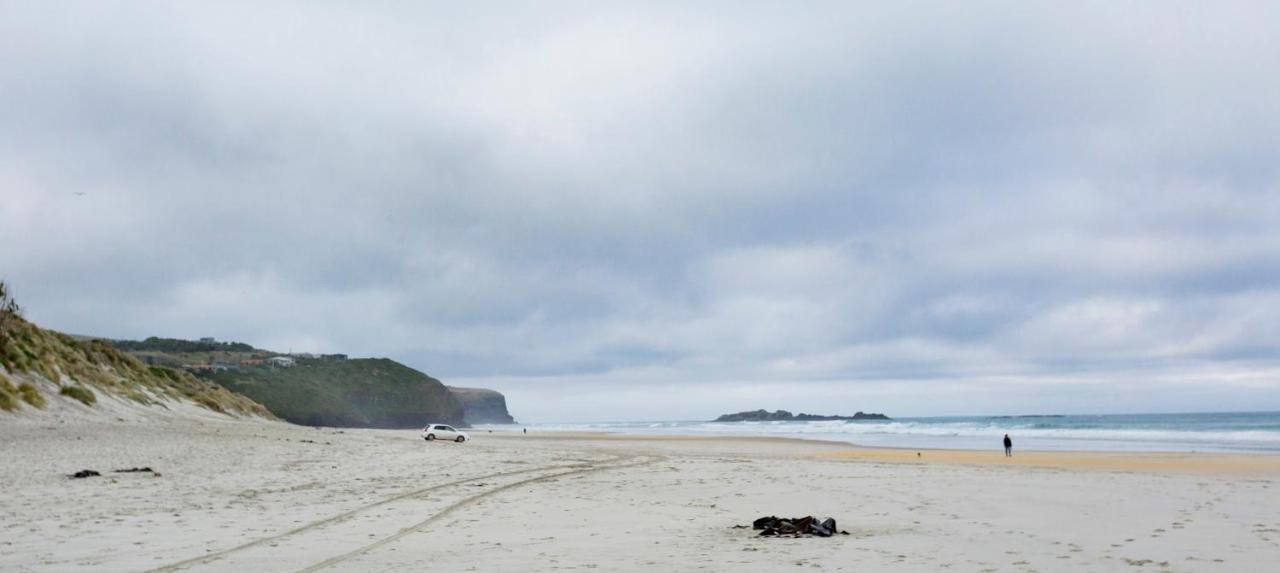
(30, 394)
(8, 395)
(84, 395)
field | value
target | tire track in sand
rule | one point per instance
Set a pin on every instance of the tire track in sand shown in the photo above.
(472, 500)
(210, 557)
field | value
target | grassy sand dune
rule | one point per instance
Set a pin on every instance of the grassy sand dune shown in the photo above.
(80, 370)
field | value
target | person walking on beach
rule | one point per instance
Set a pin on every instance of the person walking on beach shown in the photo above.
(1008, 446)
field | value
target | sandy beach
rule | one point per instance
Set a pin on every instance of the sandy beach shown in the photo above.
(241, 496)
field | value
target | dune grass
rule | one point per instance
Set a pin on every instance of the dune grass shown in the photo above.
(8, 395)
(30, 394)
(84, 395)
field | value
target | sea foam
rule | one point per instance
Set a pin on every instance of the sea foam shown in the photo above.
(1253, 431)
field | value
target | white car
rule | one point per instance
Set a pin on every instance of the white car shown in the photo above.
(443, 432)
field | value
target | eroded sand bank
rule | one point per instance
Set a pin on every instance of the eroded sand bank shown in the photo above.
(236, 496)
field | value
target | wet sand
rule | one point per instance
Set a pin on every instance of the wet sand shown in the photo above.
(1162, 462)
(236, 496)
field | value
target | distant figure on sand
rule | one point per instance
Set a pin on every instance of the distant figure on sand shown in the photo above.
(1008, 446)
(526, 430)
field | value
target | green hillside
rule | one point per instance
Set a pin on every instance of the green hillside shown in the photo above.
(370, 392)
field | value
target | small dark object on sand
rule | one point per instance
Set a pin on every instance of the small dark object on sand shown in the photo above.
(84, 474)
(797, 526)
(138, 470)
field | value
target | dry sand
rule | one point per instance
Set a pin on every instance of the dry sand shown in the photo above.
(256, 496)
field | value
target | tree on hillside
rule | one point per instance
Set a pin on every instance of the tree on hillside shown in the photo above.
(176, 345)
(8, 310)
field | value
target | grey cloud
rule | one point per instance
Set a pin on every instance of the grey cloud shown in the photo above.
(857, 202)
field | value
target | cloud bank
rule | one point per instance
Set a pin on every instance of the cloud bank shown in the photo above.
(611, 211)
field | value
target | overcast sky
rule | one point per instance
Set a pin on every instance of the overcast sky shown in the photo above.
(665, 211)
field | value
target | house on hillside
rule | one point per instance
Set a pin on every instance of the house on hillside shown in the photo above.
(334, 356)
(224, 366)
(252, 362)
(281, 361)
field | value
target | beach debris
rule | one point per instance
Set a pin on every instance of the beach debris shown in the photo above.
(84, 474)
(807, 526)
(138, 470)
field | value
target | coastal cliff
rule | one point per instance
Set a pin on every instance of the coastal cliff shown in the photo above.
(482, 406)
(43, 370)
(363, 393)
(306, 388)
(785, 416)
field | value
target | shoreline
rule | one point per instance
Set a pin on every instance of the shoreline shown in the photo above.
(1233, 463)
(1194, 432)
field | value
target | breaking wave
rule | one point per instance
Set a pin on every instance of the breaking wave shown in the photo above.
(1259, 432)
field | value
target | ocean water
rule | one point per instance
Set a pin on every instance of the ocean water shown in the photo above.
(1203, 432)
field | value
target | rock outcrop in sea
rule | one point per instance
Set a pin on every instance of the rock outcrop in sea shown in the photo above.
(785, 416)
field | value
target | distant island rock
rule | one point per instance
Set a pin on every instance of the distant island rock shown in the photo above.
(785, 416)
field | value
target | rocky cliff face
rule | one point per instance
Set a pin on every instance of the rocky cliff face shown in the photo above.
(482, 406)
